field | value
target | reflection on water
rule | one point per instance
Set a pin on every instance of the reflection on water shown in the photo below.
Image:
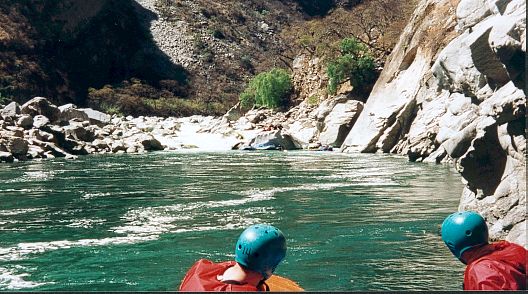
(137, 222)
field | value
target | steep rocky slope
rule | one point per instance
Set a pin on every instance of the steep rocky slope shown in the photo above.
(454, 90)
(170, 57)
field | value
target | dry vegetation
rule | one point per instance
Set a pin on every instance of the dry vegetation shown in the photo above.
(377, 23)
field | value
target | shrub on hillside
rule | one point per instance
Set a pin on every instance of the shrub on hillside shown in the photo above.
(268, 89)
(135, 97)
(355, 64)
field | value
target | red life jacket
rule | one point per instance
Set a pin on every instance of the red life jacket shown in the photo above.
(496, 266)
(202, 277)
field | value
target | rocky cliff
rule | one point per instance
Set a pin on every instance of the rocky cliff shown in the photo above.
(454, 90)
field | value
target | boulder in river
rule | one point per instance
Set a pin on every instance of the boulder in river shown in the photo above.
(275, 137)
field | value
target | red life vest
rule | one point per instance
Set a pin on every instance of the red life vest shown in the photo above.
(496, 266)
(203, 277)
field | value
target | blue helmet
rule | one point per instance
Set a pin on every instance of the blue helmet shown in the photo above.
(464, 230)
(261, 248)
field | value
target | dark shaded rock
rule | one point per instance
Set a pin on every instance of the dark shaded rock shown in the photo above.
(17, 146)
(6, 157)
(149, 142)
(25, 122)
(79, 133)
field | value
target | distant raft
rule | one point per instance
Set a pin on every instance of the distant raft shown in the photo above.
(268, 146)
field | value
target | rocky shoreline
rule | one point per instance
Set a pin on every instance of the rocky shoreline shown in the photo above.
(39, 129)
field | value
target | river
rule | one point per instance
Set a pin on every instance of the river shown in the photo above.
(138, 222)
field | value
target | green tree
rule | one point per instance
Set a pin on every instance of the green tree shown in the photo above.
(268, 89)
(356, 64)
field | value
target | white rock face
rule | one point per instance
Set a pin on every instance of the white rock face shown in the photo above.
(339, 122)
(470, 12)
(455, 93)
(303, 132)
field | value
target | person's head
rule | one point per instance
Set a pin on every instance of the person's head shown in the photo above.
(261, 248)
(464, 230)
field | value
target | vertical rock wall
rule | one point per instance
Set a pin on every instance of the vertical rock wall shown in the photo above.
(454, 89)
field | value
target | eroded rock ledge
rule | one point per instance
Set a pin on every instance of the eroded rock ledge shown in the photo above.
(453, 90)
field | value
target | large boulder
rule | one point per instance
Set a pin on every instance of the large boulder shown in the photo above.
(70, 111)
(507, 104)
(52, 150)
(150, 143)
(275, 137)
(79, 133)
(97, 117)
(25, 121)
(12, 109)
(40, 121)
(234, 113)
(17, 146)
(303, 132)
(339, 121)
(471, 12)
(145, 141)
(326, 106)
(41, 105)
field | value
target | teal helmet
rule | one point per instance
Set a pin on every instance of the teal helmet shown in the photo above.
(464, 230)
(261, 248)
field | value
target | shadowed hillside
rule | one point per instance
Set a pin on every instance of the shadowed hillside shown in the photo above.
(168, 57)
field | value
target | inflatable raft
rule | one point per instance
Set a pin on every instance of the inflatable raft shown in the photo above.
(281, 284)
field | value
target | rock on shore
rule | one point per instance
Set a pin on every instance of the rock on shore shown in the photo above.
(39, 129)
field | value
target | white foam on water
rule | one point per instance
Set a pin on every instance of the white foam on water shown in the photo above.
(307, 187)
(85, 223)
(147, 224)
(32, 176)
(21, 250)
(11, 212)
(190, 135)
(158, 220)
(95, 195)
(9, 280)
(27, 190)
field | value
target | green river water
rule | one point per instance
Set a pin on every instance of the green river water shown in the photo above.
(138, 222)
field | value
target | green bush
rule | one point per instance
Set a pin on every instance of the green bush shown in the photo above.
(4, 99)
(313, 100)
(138, 98)
(268, 89)
(356, 64)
